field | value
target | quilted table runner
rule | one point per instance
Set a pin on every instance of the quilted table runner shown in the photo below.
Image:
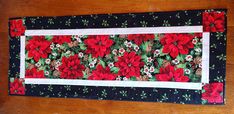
(176, 57)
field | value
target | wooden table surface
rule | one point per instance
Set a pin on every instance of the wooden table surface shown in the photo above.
(24, 105)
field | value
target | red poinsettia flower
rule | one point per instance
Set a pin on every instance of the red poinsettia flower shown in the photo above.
(213, 21)
(102, 74)
(17, 87)
(61, 39)
(71, 68)
(213, 92)
(17, 28)
(38, 47)
(33, 73)
(169, 72)
(139, 38)
(98, 45)
(175, 44)
(129, 64)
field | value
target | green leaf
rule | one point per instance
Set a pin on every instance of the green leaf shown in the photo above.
(12, 79)
(194, 78)
(42, 68)
(82, 46)
(50, 57)
(42, 61)
(66, 47)
(90, 58)
(62, 55)
(85, 36)
(85, 75)
(53, 57)
(32, 61)
(203, 90)
(181, 66)
(26, 54)
(180, 58)
(72, 53)
(157, 45)
(48, 38)
(102, 63)
(160, 61)
(115, 70)
(156, 70)
(62, 47)
(168, 57)
(26, 65)
(192, 52)
(144, 46)
(133, 78)
(152, 79)
(144, 57)
(156, 37)
(161, 53)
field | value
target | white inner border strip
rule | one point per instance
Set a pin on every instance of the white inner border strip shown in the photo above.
(22, 56)
(181, 85)
(110, 31)
(205, 57)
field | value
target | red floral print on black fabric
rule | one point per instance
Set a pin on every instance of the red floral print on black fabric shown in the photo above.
(129, 64)
(61, 39)
(17, 87)
(139, 38)
(38, 47)
(17, 28)
(213, 21)
(169, 72)
(213, 92)
(98, 45)
(34, 73)
(102, 74)
(113, 57)
(71, 68)
(176, 44)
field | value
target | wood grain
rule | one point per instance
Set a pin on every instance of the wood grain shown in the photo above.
(37, 105)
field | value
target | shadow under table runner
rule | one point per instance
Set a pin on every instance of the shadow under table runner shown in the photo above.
(176, 57)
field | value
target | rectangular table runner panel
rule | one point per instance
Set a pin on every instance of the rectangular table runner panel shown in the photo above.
(176, 56)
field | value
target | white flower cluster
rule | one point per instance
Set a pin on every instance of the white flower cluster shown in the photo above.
(189, 58)
(80, 54)
(149, 70)
(78, 38)
(175, 61)
(92, 63)
(111, 64)
(130, 44)
(57, 64)
(156, 52)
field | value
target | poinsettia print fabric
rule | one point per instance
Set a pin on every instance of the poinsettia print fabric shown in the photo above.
(138, 57)
(38, 47)
(17, 87)
(16, 28)
(213, 21)
(213, 93)
(170, 57)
